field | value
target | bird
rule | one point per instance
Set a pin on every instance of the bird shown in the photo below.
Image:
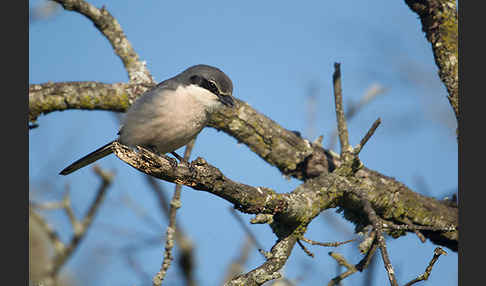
(171, 114)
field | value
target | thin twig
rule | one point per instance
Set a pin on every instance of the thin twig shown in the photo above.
(66, 202)
(437, 252)
(47, 205)
(51, 233)
(418, 233)
(169, 242)
(373, 91)
(360, 266)
(81, 227)
(353, 108)
(341, 261)
(338, 100)
(363, 264)
(370, 273)
(349, 155)
(185, 246)
(379, 236)
(326, 244)
(307, 251)
(414, 227)
(367, 137)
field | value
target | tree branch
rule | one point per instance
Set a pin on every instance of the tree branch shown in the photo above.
(80, 227)
(48, 97)
(199, 175)
(338, 100)
(278, 255)
(186, 250)
(175, 204)
(111, 29)
(297, 157)
(439, 22)
(437, 252)
(386, 199)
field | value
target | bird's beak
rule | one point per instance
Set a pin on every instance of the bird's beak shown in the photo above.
(226, 99)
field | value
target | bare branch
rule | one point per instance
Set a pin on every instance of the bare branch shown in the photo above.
(338, 99)
(53, 236)
(326, 244)
(202, 176)
(175, 204)
(368, 135)
(278, 255)
(412, 227)
(296, 157)
(49, 97)
(360, 266)
(353, 108)
(307, 251)
(437, 252)
(341, 261)
(439, 22)
(185, 246)
(379, 236)
(111, 29)
(81, 227)
(282, 148)
(363, 264)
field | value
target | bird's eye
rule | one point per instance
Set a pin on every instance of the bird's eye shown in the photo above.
(211, 86)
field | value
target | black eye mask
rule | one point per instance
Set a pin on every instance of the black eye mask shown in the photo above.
(204, 83)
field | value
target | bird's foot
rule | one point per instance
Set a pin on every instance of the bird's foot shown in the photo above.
(181, 159)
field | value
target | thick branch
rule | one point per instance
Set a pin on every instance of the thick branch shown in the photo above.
(297, 157)
(392, 201)
(276, 145)
(439, 22)
(199, 175)
(111, 29)
(49, 97)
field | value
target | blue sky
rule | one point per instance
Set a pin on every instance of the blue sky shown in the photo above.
(273, 51)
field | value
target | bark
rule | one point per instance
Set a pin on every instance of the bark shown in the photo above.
(439, 22)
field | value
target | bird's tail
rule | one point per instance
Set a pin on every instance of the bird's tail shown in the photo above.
(88, 159)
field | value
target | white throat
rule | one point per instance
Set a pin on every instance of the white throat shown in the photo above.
(201, 95)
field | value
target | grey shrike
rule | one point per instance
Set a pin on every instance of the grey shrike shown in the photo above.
(171, 114)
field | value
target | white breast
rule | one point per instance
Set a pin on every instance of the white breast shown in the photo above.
(167, 119)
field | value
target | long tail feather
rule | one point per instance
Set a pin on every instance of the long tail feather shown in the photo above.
(88, 159)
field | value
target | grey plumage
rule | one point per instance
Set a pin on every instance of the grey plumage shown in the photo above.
(171, 114)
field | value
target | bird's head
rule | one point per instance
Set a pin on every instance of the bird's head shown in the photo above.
(212, 87)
